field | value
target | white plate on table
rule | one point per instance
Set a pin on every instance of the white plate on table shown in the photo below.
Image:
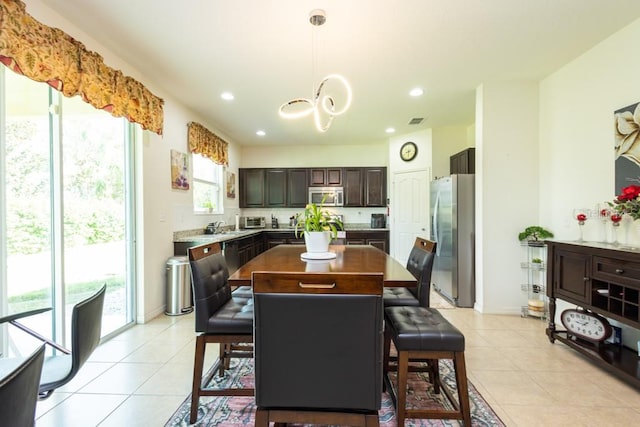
(317, 255)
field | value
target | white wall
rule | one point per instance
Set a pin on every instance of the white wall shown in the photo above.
(448, 141)
(577, 139)
(577, 133)
(304, 156)
(506, 189)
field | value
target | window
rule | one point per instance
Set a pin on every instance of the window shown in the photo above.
(207, 185)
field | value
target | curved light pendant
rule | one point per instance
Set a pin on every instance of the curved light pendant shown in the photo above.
(321, 101)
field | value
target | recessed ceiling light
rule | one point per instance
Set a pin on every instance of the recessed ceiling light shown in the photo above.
(416, 92)
(261, 133)
(228, 96)
(390, 130)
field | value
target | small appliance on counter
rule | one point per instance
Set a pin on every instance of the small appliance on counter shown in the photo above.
(378, 221)
(253, 222)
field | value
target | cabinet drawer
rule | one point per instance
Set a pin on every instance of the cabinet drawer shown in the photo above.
(616, 270)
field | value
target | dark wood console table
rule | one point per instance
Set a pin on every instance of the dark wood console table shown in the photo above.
(602, 278)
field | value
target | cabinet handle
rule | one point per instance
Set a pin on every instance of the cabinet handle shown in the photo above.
(585, 279)
(619, 271)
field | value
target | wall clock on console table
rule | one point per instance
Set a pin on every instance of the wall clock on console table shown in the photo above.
(586, 325)
(408, 151)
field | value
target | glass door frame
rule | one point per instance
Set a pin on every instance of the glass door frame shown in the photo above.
(132, 135)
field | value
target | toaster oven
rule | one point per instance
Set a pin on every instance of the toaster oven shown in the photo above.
(253, 222)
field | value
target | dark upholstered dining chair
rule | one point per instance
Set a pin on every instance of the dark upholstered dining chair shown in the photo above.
(86, 327)
(318, 348)
(219, 318)
(420, 264)
(19, 389)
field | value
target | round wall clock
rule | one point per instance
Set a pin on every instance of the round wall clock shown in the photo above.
(586, 325)
(408, 151)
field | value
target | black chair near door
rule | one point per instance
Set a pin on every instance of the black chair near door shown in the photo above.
(64, 364)
(19, 389)
(420, 264)
(219, 318)
(318, 348)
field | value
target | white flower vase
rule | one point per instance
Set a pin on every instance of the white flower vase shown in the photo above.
(317, 241)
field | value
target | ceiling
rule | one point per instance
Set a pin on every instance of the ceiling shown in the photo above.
(263, 51)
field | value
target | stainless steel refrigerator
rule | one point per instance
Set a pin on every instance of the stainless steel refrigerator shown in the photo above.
(453, 229)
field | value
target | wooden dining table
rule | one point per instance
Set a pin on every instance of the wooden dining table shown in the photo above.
(348, 259)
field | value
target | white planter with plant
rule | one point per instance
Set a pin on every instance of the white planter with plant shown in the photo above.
(318, 226)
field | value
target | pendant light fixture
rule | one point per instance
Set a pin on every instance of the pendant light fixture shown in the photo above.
(322, 104)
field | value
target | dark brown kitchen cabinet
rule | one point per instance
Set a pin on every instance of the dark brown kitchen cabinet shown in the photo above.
(275, 238)
(463, 162)
(276, 188)
(252, 193)
(375, 187)
(379, 239)
(353, 189)
(325, 177)
(297, 188)
(365, 187)
(288, 187)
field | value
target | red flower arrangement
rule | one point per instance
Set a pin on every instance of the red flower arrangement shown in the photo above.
(628, 202)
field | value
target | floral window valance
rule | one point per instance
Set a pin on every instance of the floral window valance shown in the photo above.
(208, 144)
(49, 55)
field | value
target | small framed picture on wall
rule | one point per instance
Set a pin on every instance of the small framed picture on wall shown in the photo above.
(231, 185)
(179, 170)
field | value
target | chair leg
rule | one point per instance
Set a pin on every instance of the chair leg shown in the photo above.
(262, 418)
(386, 350)
(463, 388)
(222, 356)
(434, 374)
(403, 373)
(198, 365)
(372, 420)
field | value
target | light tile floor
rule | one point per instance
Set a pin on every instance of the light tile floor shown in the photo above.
(140, 377)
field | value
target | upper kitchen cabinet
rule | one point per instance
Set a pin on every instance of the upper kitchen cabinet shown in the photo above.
(365, 187)
(297, 188)
(276, 188)
(251, 188)
(288, 187)
(325, 177)
(375, 187)
(463, 162)
(353, 178)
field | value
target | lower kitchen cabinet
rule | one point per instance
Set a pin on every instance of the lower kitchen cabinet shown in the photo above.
(275, 238)
(379, 239)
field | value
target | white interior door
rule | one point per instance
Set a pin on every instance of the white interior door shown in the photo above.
(409, 211)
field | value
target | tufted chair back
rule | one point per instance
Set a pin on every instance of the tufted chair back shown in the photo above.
(318, 341)
(420, 264)
(209, 275)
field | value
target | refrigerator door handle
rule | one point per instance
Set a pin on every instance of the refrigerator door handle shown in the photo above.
(434, 224)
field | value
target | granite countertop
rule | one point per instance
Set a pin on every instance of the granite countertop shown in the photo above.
(198, 235)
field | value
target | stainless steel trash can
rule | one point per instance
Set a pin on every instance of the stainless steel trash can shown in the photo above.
(178, 286)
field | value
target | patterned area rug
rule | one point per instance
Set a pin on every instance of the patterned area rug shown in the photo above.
(225, 411)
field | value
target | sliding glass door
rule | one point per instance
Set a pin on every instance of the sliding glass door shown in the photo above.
(67, 216)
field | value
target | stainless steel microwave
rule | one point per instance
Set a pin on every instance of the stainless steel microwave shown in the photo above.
(328, 196)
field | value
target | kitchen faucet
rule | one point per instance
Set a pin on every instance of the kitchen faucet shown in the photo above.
(218, 225)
